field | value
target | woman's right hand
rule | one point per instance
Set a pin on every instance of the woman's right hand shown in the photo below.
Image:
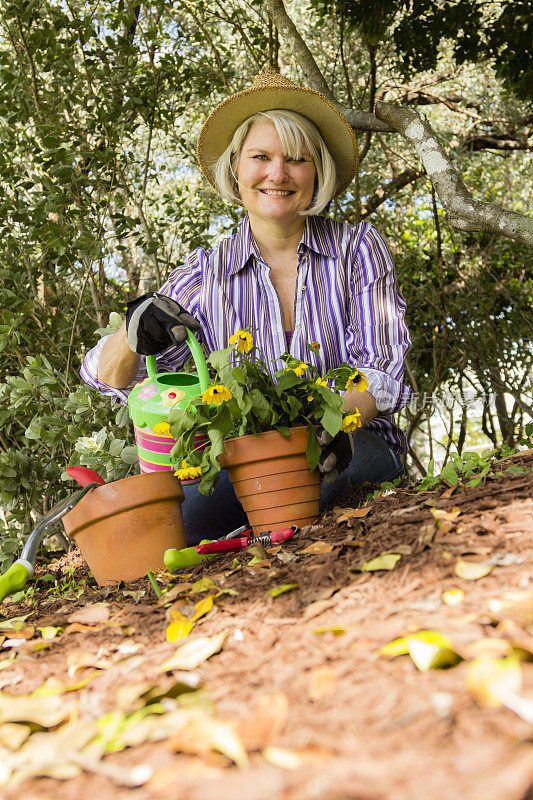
(155, 322)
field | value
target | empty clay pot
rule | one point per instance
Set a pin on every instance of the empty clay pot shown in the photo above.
(124, 527)
(271, 477)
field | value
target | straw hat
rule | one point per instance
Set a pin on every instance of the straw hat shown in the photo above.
(269, 91)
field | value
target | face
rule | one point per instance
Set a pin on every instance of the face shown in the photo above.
(272, 185)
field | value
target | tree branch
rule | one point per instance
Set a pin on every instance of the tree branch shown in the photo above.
(384, 192)
(359, 120)
(464, 212)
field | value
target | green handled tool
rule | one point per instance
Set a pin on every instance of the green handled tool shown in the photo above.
(189, 556)
(16, 577)
(186, 557)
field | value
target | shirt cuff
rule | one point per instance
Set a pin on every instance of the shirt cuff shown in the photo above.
(390, 394)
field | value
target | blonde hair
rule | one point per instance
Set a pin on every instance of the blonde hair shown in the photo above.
(296, 134)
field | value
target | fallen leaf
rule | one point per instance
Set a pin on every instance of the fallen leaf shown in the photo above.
(259, 563)
(26, 633)
(202, 607)
(178, 630)
(491, 678)
(14, 624)
(91, 614)
(428, 650)
(193, 653)
(352, 513)
(432, 655)
(203, 585)
(79, 659)
(45, 711)
(265, 722)
(281, 757)
(13, 735)
(322, 682)
(54, 686)
(445, 516)
(79, 627)
(200, 734)
(387, 561)
(135, 594)
(452, 597)
(316, 548)
(49, 632)
(449, 492)
(337, 630)
(285, 587)
(472, 570)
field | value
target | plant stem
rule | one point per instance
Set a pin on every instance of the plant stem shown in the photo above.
(155, 587)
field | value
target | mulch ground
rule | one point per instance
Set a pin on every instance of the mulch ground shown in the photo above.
(321, 714)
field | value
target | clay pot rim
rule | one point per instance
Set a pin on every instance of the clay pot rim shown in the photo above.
(296, 429)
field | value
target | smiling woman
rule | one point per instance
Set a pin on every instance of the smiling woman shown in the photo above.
(322, 290)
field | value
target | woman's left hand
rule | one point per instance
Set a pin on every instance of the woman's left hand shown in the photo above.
(337, 452)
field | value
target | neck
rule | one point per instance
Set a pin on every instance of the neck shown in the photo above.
(276, 237)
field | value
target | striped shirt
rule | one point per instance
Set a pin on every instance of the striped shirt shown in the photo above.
(347, 300)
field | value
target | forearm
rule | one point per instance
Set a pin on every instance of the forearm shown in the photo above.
(118, 364)
(364, 402)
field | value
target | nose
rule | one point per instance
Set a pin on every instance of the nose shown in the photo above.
(278, 170)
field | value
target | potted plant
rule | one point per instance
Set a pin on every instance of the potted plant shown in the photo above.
(262, 427)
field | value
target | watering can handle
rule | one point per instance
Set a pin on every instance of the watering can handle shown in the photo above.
(199, 362)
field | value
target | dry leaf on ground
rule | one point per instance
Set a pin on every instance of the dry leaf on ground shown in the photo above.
(91, 614)
(191, 654)
(472, 570)
(387, 561)
(316, 548)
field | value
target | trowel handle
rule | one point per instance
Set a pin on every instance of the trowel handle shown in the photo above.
(198, 358)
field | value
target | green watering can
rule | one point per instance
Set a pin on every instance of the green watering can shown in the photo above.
(151, 400)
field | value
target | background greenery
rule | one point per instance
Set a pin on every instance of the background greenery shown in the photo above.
(100, 197)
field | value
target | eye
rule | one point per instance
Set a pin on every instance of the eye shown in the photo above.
(260, 156)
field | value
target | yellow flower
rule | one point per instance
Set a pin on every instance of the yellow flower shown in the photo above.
(162, 429)
(243, 341)
(186, 473)
(318, 382)
(351, 421)
(300, 369)
(358, 380)
(216, 394)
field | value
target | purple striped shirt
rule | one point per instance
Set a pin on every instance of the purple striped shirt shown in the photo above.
(347, 300)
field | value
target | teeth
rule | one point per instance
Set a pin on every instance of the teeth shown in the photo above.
(276, 192)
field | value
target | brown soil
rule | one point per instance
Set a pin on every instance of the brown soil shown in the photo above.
(359, 726)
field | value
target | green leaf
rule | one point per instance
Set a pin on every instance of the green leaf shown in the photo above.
(285, 587)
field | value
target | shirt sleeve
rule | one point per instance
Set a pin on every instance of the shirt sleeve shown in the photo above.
(377, 335)
(183, 285)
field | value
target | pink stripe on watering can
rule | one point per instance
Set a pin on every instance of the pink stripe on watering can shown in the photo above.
(156, 444)
(149, 466)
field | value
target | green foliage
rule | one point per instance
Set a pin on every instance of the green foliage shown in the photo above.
(246, 399)
(477, 30)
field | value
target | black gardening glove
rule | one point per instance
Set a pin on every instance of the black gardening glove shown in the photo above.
(337, 452)
(155, 322)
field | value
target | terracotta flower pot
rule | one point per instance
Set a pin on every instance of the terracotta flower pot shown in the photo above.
(124, 527)
(271, 477)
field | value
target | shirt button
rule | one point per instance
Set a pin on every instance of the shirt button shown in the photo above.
(304, 288)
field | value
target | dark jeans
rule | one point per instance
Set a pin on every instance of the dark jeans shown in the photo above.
(216, 515)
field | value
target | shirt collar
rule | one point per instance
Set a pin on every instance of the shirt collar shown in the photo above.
(316, 236)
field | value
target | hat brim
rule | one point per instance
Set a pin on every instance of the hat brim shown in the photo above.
(218, 129)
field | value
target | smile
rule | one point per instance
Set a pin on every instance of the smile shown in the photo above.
(276, 192)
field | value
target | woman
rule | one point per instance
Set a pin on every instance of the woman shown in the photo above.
(293, 277)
